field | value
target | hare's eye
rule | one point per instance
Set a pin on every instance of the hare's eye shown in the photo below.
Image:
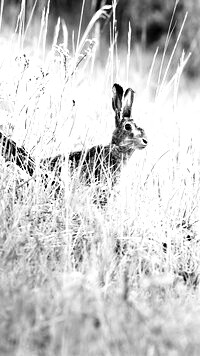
(128, 127)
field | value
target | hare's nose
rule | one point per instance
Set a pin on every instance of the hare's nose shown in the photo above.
(144, 140)
(128, 127)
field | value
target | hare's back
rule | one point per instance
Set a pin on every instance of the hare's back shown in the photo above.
(93, 156)
(92, 162)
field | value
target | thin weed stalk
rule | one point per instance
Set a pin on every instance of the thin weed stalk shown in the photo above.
(128, 54)
(172, 54)
(28, 25)
(1, 13)
(170, 31)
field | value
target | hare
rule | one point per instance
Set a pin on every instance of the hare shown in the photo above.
(106, 161)
(18, 155)
(99, 161)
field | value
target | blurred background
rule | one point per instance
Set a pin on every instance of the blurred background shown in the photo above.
(149, 20)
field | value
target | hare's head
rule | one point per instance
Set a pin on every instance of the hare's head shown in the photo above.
(127, 136)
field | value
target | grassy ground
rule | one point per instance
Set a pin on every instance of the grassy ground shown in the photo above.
(77, 279)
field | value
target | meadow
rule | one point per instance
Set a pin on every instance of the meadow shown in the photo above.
(77, 278)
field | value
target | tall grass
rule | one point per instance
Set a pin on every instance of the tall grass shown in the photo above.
(76, 278)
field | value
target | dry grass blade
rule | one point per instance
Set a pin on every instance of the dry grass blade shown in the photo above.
(1, 13)
(154, 165)
(30, 18)
(172, 55)
(103, 12)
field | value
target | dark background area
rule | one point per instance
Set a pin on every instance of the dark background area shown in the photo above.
(149, 21)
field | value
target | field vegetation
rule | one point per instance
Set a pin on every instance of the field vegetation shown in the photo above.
(76, 277)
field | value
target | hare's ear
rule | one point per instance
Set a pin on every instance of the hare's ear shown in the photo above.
(117, 97)
(128, 102)
(117, 102)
